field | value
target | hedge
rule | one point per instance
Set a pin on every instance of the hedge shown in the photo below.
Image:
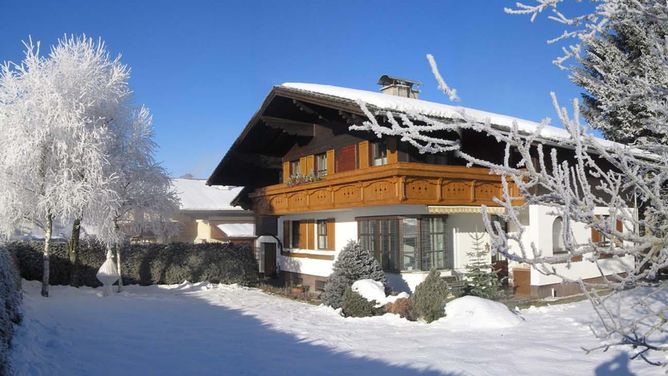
(143, 264)
(10, 304)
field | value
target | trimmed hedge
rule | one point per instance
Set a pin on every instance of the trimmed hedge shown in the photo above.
(10, 304)
(144, 264)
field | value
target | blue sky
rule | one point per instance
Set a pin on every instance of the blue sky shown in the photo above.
(204, 67)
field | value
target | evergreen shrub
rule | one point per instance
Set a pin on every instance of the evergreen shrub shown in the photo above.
(353, 264)
(428, 300)
(355, 305)
(481, 278)
(10, 304)
(144, 264)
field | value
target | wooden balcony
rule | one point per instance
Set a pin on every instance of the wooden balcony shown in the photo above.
(392, 184)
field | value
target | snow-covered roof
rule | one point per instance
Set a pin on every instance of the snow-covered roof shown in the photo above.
(432, 109)
(196, 195)
(238, 230)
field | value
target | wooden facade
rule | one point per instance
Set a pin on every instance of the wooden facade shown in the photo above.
(391, 184)
(275, 158)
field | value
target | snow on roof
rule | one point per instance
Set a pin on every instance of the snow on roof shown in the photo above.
(196, 195)
(238, 230)
(432, 109)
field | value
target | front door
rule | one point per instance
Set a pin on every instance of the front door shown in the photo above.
(269, 250)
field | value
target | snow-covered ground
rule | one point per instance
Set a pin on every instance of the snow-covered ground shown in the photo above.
(208, 329)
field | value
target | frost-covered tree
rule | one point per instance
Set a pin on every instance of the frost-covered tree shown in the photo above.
(597, 174)
(95, 93)
(77, 149)
(353, 264)
(622, 54)
(146, 197)
(53, 156)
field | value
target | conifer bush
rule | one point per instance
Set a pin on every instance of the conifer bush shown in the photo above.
(10, 303)
(428, 300)
(355, 305)
(354, 263)
(481, 278)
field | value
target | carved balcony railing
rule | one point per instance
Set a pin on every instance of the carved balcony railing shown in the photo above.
(398, 183)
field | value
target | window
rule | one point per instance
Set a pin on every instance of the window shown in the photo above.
(309, 234)
(405, 244)
(378, 154)
(602, 240)
(295, 168)
(294, 234)
(322, 234)
(433, 243)
(321, 165)
(558, 236)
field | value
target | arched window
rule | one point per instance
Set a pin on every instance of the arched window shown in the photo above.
(558, 236)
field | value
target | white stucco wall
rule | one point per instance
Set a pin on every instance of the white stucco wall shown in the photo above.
(539, 220)
(464, 230)
(461, 230)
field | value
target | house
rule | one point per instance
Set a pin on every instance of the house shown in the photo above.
(206, 214)
(314, 185)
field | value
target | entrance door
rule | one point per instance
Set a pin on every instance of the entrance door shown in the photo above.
(269, 250)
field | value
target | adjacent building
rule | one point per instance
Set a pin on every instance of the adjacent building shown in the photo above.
(207, 214)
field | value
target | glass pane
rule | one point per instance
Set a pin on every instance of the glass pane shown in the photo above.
(409, 243)
(294, 168)
(295, 234)
(437, 224)
(393, 245)
(433, 243)
(379, 153)
(321, 164)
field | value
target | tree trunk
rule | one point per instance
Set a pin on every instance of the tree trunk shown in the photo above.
(118, 266)
(47, 240)
(118, 259)
(73, 252)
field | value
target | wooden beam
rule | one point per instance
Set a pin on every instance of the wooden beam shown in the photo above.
(291, 127)
(303, 107)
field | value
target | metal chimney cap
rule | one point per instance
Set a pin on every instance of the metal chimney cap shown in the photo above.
(386, 80)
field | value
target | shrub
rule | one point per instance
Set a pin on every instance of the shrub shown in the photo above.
(353, 264)
(481, 278)
(10, 302)
(401, 307)
(355, 305)
(429, 298)
(145, 264)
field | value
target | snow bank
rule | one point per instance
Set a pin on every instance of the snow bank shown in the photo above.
(375, 291)
(472, 312)
(223, 329)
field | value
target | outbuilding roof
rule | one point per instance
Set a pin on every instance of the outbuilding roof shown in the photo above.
(195, 195)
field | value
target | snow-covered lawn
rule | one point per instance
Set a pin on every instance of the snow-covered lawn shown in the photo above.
(208, 329)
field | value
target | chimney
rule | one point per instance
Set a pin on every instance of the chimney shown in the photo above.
(398, 86)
